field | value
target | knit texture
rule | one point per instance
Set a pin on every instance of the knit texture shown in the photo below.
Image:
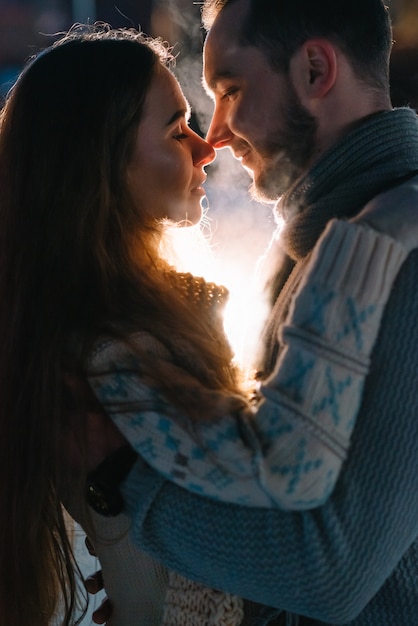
(291, 454)
(135, 583)
(138, 596)
(314, 393)
(355, 559)
(377, 155)
(190, 604)
(379, 152)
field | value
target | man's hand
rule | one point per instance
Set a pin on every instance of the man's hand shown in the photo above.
(94, 584)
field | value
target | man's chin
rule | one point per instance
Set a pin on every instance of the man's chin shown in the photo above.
(259, 195)
(267, 189)
(269, 185)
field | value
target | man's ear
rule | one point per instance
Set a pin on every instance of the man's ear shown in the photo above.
(313, 68)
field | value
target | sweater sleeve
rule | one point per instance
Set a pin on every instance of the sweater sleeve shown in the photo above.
(356, 553)
(291, 454)
(212, 458)
(311, 400)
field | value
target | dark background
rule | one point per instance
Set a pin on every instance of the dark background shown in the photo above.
(25, 24)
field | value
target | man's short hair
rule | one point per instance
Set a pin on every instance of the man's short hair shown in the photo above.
(360, 28)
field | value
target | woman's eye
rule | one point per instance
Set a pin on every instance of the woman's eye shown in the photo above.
(180, 136)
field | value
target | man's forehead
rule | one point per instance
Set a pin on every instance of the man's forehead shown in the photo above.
(222, 49)
(219, 61)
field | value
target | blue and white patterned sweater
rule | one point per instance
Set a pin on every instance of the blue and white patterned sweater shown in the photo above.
(352, 561)
(288, 452)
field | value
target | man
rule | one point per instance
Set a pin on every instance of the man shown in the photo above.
(301, 97)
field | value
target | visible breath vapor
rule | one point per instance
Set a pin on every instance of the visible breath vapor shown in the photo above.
(238, 228)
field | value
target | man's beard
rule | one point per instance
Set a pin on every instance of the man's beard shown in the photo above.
(287, 155)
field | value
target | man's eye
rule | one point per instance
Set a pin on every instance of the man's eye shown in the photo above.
(230, 93)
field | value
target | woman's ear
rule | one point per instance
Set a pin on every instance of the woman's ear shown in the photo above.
(313, 69)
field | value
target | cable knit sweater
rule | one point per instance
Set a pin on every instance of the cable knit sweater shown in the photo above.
(354, 560)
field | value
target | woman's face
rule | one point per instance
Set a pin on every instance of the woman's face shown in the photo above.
(166, 172)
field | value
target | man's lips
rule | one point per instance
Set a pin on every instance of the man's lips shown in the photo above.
(245, 158)
(241, 154)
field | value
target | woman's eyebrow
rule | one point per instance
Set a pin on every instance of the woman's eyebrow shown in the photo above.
(179, 114)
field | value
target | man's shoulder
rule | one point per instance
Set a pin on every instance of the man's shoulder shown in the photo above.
(395, 212)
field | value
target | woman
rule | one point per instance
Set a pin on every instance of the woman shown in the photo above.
(80, 253)
(96, 158)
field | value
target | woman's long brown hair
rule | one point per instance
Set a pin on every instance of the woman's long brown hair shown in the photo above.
(77, 260)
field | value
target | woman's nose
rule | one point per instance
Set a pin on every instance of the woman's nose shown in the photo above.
(203, 152)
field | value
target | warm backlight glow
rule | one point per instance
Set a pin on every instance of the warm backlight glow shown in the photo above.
(246, 310)
(244, 317)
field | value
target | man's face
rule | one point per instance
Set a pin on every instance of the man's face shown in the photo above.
(257, 113)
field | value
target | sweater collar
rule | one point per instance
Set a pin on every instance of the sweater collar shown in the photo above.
(380, 151)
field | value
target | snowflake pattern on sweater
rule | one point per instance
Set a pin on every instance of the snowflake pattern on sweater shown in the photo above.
(289, 453)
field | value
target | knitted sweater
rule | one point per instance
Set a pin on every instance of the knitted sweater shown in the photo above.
(306, 411)
(291, 454)
(353, 560)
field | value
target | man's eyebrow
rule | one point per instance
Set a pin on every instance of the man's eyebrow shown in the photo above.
(216, 78)
(179, 114)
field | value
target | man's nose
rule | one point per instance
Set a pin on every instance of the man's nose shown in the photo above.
(219, 134)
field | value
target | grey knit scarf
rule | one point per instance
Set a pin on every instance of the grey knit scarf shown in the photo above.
(378, 154)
